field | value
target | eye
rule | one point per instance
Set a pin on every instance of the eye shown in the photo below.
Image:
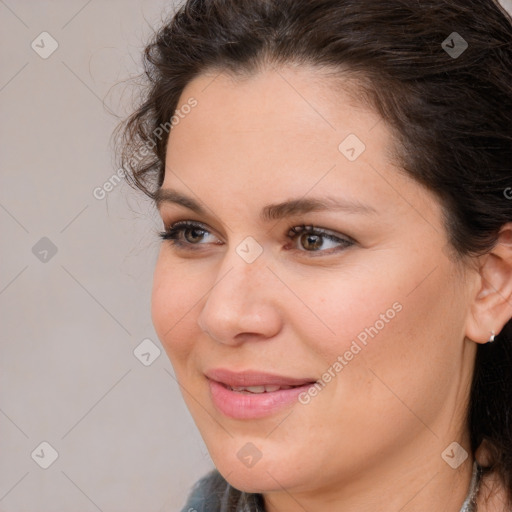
(188, 234)
(313, 239)
(185, 233)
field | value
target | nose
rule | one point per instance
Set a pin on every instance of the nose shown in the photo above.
(242, 303)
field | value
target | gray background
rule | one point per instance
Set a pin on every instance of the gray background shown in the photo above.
(70, 321)
(70, 324)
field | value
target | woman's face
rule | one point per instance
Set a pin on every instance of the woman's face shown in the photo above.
(375, 314)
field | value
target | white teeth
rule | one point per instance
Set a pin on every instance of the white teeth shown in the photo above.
(254, 389)
(258, 389)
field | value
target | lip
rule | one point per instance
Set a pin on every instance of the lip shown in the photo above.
(254, 378)
(239, 405)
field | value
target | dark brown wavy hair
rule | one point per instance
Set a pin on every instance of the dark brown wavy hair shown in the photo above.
(451, 117)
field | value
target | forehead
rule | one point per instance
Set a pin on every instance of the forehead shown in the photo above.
(283, 133)
(288, 117)
(296, 98)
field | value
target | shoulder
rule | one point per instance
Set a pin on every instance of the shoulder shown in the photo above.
(206, 494)
(212, 493)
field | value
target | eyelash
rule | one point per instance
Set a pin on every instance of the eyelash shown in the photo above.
(172, 235)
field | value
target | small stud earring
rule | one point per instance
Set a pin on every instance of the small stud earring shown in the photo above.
(491, 339)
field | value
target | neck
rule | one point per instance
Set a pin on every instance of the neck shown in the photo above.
(408, 485)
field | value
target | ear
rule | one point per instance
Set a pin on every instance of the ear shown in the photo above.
(491, 307)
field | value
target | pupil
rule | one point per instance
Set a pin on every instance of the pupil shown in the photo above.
(314, 245)
(196, 231)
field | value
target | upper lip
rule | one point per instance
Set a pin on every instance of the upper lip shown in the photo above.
(253, 378)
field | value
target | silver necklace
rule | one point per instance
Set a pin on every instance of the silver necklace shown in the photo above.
(469, 504)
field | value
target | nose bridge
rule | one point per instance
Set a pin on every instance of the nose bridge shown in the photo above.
(242, 271)
(240, 300)
(238, 282)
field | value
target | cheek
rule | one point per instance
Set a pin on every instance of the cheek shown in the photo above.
(336, 312)
(174, 296)
(382, 332)
(409, 353)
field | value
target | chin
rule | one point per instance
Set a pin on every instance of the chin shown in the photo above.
(265, 474)
(252, 480)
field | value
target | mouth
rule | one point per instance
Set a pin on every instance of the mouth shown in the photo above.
(257, 389)
(254, 394)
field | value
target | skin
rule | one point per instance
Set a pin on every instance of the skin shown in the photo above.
(372, 439)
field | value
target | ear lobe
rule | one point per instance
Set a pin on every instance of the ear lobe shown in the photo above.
(491, 308)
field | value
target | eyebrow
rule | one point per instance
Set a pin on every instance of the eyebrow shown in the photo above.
(272, 211)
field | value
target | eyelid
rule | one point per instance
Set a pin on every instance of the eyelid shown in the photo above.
(178, 227)
(343, 241)
(192, 223)
(311, 228)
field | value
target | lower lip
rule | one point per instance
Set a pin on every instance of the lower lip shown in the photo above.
(246, 406)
